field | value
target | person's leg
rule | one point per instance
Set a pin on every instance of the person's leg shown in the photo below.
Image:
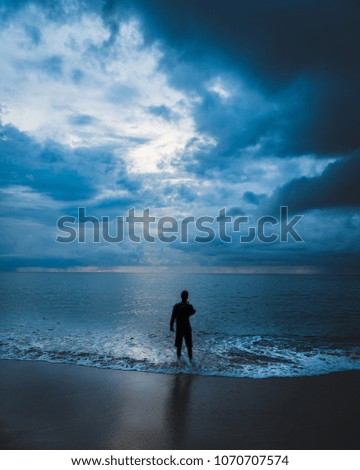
(178, 344)
(188, 341)
(189, 349)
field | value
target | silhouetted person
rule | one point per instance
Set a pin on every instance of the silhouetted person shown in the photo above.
(181, 314)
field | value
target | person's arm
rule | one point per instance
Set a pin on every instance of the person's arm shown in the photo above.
(173, 318)
(192, 310)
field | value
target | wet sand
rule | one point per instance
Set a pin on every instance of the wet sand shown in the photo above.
(60, 406)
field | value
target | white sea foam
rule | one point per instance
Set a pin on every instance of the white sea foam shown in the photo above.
(221, 355)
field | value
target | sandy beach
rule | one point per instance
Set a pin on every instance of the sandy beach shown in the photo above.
(60, 406)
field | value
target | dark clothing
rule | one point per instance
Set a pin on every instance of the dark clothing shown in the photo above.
(179, 338)
(181, 314)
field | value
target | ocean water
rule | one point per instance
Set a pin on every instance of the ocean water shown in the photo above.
(245, 326)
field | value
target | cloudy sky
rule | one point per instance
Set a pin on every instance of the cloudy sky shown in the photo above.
(184, 107)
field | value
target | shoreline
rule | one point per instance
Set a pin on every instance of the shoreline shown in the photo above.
(65, 406)
(194, 370)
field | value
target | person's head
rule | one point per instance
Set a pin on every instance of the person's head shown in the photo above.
(184, 295)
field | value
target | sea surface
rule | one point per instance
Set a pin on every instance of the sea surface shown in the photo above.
(245, 325)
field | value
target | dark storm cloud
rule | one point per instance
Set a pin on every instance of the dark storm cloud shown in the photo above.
(253, 198)
(57, 171)
(302, 54)
(277, 40)
(43, 168)
(276, 45)
(233, 125)
(66, 175)
(337, 186)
